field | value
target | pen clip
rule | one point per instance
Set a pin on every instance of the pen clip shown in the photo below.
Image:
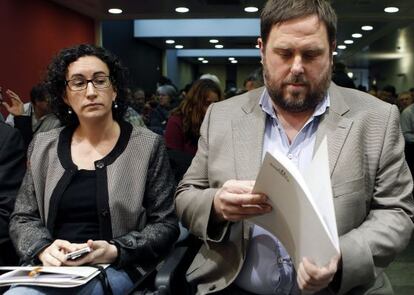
(35, 272)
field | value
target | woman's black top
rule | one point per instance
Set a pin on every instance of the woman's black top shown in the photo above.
(77, 216)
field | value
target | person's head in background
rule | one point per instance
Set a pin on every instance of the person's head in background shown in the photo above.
(211, 77)
(404, 100)
(254, 80)
(40, 99)
(412, 92)
(80, 71)
(166, 93)
(137, 100)
(296, 43)
(202, 93)
(373, 90)
(388, 94)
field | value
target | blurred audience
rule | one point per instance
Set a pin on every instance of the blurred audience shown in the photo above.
(388, 94)
(340, 76)
(137, 100)
(12, 168)
(32, 117)
(159, 115)
(254, 80)
(183, 127)
(404, 100)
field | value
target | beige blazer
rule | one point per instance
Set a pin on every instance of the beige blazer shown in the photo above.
(370, 180)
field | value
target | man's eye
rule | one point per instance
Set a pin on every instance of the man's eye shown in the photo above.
(284, 54)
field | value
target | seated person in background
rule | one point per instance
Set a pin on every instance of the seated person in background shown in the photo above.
(12, 168)
(340, 76)
(159, 115)
(388, 94)
(183, 127)
(138, 100)
(407, 127)
(254, 80)
(32, 117)
(404, 100)
(97, 182)
(1, 100)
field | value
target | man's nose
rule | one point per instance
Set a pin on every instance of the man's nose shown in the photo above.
(297, 66)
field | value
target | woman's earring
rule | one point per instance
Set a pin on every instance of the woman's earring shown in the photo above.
(70, 112)
(115, 105)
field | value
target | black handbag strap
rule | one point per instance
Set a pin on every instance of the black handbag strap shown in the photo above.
(103, 277)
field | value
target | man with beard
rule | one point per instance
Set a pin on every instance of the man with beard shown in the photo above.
(298, 106)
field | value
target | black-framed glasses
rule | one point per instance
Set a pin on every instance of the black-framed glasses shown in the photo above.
(81, 83)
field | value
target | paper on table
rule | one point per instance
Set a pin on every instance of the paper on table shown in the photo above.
(60, 277)
(305, 224)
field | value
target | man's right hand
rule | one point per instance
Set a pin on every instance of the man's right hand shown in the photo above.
(16, 106)
(235, 201)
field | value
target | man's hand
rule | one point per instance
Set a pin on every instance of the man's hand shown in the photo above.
(235, 201)
(16, 105)
(312, 278)
(55, 254)
(102, 252)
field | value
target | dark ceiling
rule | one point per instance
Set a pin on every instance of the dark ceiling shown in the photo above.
(388, 39)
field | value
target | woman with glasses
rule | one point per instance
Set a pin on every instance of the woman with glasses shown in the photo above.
(97, 182)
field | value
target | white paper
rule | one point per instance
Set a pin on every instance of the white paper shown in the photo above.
(304, 223)
(50, 276)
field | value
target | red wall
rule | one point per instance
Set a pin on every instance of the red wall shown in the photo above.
(31, 33)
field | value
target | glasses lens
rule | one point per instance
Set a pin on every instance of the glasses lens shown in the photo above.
(98, 82)
(101, 82)
(77, 84)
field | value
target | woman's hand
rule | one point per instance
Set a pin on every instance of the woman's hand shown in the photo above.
(102, 252)
(55, 254)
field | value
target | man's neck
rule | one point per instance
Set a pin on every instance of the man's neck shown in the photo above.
(292, 122)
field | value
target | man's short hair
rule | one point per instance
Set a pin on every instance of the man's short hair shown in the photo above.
(279, 11)
(39, 93)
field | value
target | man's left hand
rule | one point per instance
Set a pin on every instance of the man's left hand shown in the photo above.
(312, 278)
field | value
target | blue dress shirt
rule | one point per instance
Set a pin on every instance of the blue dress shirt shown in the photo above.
(268, 268)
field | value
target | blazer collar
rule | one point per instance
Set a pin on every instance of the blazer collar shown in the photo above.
(248, 135)
(334, 125)
(248, 131)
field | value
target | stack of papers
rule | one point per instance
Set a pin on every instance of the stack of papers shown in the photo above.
(303, 215)
(50, 276)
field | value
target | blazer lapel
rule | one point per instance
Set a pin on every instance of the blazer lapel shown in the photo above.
(334, 126)
(248, 135)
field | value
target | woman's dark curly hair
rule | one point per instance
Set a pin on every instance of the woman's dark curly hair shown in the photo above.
(56, 80)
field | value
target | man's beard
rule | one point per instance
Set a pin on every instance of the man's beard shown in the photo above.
(293, 102)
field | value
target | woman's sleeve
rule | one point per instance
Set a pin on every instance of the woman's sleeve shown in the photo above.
(150, 245)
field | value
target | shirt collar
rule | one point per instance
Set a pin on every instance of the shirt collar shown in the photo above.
(265, 103)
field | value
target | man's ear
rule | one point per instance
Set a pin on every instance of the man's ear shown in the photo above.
(333, 47)
(261, 48)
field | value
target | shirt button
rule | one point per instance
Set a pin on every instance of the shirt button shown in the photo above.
(100, 164)
(290, 156)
